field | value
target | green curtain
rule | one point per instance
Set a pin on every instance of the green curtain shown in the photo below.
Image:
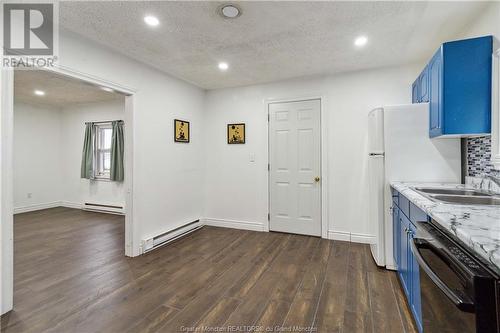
(88, 152)
(117, 144)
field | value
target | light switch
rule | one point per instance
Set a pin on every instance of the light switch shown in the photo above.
(252, 158)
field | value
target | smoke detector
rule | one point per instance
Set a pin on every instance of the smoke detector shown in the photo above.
(229, 11)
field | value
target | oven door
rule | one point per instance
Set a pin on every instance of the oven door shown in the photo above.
(446, 306)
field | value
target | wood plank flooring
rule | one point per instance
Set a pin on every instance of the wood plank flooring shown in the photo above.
(71, 276)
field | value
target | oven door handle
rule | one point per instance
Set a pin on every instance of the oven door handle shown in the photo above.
(462, 302)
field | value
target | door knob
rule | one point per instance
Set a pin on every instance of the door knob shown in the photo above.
(316, 179)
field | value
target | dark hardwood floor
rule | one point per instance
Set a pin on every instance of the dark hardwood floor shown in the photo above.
(71, 276)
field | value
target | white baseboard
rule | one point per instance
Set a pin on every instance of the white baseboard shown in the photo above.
(69, 204)
(244, 225)
(339, 235)
(351, 237)
(391, 267)
(362, 238)
(32, 208)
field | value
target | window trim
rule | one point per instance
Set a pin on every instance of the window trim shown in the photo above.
(97, 151)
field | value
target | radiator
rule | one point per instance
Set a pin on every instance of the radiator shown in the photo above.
(169, 236)
(102, 208)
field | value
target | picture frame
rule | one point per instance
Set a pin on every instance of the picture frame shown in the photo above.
(181, 131)
(236, 134)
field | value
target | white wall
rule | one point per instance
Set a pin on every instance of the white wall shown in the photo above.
(236, 189)
(167, 178)
(76, 190)
(486, 24)
(47, 156)
(37, 157)
(167, 181)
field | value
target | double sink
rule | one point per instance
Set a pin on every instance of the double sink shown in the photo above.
(460, 196)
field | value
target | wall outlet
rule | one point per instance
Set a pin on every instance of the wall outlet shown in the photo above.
(29, 195)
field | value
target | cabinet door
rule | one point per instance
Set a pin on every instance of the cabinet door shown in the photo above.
(495, 125)
(403, 266)
(435, 95)
(414, 281)
(414, 92)
(396, 235)
(423, 82)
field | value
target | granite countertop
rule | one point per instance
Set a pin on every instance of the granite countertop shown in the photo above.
(476, 227)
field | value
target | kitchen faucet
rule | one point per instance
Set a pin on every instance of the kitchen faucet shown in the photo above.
(494, 179)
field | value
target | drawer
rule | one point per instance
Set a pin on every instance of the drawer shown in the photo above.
(404, 205)
(395, 196)
(416, 214)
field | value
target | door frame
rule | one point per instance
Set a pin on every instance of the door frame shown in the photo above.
(6, 171)
(323, 156)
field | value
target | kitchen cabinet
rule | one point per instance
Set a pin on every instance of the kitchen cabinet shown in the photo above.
(420, 88)
(396, 241)
(414, 281)
(404, 247)
(435, 101)
(457, 84)
(404, 216)
(495, 126)
(414, 92)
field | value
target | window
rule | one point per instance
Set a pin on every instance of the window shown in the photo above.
(102, 160)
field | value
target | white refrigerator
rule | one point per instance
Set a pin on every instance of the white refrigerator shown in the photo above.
(400, 150)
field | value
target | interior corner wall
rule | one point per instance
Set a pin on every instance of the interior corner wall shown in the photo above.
(37, 157)
(486, 24)
(236, 188)
(75, 191)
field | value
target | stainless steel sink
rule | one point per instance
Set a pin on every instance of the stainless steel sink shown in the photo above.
(446, 191)
(468, 200)
(460, 196)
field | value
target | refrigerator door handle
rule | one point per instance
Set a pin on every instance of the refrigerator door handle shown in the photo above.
(376, 154)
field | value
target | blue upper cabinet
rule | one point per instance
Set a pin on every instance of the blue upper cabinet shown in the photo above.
(420, 88)
(435, 95)
(457, 85)
(423, 83)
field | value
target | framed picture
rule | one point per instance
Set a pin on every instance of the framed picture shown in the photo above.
(235, 134)
(181, 131)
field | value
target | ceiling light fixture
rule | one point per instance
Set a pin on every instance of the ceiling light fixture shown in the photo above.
(223, 66)
(39, 92)
(151, 21)
(361, 41)
(229, 11)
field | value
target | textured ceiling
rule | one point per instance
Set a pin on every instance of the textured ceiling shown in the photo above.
(60, 91)
(271, 40)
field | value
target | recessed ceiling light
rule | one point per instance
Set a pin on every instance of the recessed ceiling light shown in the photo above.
(107, 89)
(361, 41)
(151, 20)
(230, 11)
(39, 92)
(223, 66)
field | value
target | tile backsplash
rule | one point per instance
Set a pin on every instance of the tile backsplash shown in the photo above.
(479, 157)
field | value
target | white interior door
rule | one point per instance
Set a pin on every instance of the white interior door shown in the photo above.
(295, 167)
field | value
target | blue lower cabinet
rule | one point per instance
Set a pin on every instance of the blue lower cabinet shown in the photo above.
(406, 264)
(396, 245)
(414, 280)
(403, 241)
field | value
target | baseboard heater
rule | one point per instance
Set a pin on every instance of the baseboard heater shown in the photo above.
(169, 236)
(101, 208)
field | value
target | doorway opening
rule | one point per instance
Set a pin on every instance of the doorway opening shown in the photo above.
(45, 116)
